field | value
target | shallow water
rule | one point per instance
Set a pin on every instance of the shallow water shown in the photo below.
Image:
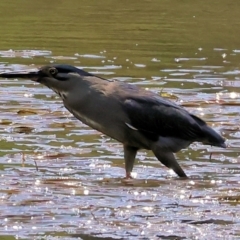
(62, 180)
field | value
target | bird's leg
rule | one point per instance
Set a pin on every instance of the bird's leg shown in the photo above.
(168, 159)
(129, 157)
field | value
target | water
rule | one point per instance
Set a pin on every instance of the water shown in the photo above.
(62, 180)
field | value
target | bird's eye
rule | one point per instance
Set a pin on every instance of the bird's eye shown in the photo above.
(53, 71)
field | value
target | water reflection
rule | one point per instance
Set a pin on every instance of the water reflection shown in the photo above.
(61, 178)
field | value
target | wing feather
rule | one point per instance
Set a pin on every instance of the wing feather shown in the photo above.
(155, 116)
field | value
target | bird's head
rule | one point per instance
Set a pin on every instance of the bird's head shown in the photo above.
(58, 77)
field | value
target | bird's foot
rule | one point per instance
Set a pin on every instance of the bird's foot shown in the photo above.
(128, 176)
(128, 180)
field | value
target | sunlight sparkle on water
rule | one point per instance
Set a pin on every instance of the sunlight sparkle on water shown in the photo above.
(134, 174)
(28, 95)
(192, 182)
(86, 192)
(148, 209)
(40, 157)
(171, 172)
(37, 182)
(136, 193)
(155, 60)
(66, 169)
(201, 111)
(213, 181)
(139, 65)
(233, 95)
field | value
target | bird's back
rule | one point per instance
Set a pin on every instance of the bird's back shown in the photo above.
(136, 112)
(156, 117)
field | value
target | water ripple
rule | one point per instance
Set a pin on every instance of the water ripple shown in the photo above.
(60, 179)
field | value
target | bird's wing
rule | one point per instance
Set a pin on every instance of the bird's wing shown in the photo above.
(155, 116)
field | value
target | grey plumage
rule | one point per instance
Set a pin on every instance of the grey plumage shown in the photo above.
(137, 118)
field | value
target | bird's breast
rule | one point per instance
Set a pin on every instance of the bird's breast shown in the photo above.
(88, 121)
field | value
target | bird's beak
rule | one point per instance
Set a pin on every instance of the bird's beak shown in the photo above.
(33, 75)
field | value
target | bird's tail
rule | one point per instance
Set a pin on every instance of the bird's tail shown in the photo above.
(213, 138)
(209, 136)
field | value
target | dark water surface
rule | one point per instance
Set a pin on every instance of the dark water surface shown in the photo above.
(62, 180)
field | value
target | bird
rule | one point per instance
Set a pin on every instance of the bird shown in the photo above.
(136, 117)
